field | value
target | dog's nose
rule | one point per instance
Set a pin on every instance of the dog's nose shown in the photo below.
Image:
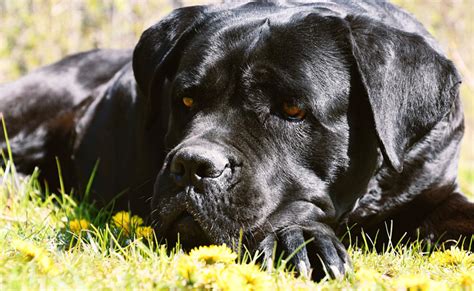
(191, 164)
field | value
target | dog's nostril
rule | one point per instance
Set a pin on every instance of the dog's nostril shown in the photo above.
(178, 172)
(177, 168)
(191, 164)
(207, 169)
(204, 170)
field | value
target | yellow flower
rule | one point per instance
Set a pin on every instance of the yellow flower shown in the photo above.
(245, 277)
(466, 280)
(213, 254)
(32, 252)
(206, 276)
(145, 232)
(229, 280)
(78, 225)
(367, 278)
(452, 257)
(414, 283)
(196, 274)
(187, 269)
(136, 221)
(121, 217)
(123, 220)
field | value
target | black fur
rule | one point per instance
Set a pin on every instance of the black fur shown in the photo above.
(379, 143)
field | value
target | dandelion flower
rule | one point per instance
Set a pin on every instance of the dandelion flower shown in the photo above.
(32, 252)
(121, 218)
(78, 225)
(249, 276)
(452, 257)
(367, 274)
(126, 222)
(207, 276)
(213, 254)
(187, 269)
(145, 232)
(466, 280)
(136, 221)
(205, 266)
(230, 279)
(196, 274)
(414, 283)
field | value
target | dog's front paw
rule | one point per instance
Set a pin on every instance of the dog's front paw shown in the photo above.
(314, 251)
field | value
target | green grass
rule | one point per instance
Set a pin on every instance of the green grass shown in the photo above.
(43, 245)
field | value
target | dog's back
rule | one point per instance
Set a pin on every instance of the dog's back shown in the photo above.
(40, 109)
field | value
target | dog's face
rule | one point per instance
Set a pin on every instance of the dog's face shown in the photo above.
(267, 127)
(271, 127)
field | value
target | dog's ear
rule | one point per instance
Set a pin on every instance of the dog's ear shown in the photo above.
(410, 85)
(159, 47)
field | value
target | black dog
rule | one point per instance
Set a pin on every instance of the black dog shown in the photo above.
(288, 121)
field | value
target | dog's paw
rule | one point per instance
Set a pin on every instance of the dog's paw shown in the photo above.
(313, 251)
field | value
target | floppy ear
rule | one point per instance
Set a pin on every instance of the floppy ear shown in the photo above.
(157, 52)
(409, 84)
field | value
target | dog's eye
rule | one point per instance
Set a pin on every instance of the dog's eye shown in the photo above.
(188, 102)
(293, 112)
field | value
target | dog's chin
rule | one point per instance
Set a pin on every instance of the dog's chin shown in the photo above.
(188, 232)
(178, 219)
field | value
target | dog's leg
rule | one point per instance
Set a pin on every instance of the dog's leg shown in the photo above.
(451, 220)
(439, 215)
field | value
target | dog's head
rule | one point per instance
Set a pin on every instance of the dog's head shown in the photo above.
(278, 116)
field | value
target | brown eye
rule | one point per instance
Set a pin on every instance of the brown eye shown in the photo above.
(188, 102)
(293, 112)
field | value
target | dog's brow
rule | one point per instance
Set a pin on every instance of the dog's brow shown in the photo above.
(270, 76)
(185, 81)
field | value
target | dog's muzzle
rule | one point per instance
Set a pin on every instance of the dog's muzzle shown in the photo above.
(197, 165)
(200, 174)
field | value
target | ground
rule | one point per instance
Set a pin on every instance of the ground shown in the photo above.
(56, 242)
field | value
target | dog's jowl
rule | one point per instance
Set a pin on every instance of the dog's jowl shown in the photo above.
(286, 122)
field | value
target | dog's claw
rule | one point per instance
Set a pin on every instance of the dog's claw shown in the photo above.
(292, 240)
(267, 246)
(331, 254)
(304, 269)
(315, 251)
(335, 272)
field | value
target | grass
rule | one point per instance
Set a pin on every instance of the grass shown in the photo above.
(53, 241)
(44, 244)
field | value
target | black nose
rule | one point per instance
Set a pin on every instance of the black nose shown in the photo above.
(193, 163)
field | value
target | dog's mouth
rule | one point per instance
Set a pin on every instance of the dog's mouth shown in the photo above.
(187, 231)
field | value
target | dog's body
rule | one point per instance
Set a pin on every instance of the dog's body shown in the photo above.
(375, 137)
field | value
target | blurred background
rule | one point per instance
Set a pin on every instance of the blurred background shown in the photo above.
(37, 32)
